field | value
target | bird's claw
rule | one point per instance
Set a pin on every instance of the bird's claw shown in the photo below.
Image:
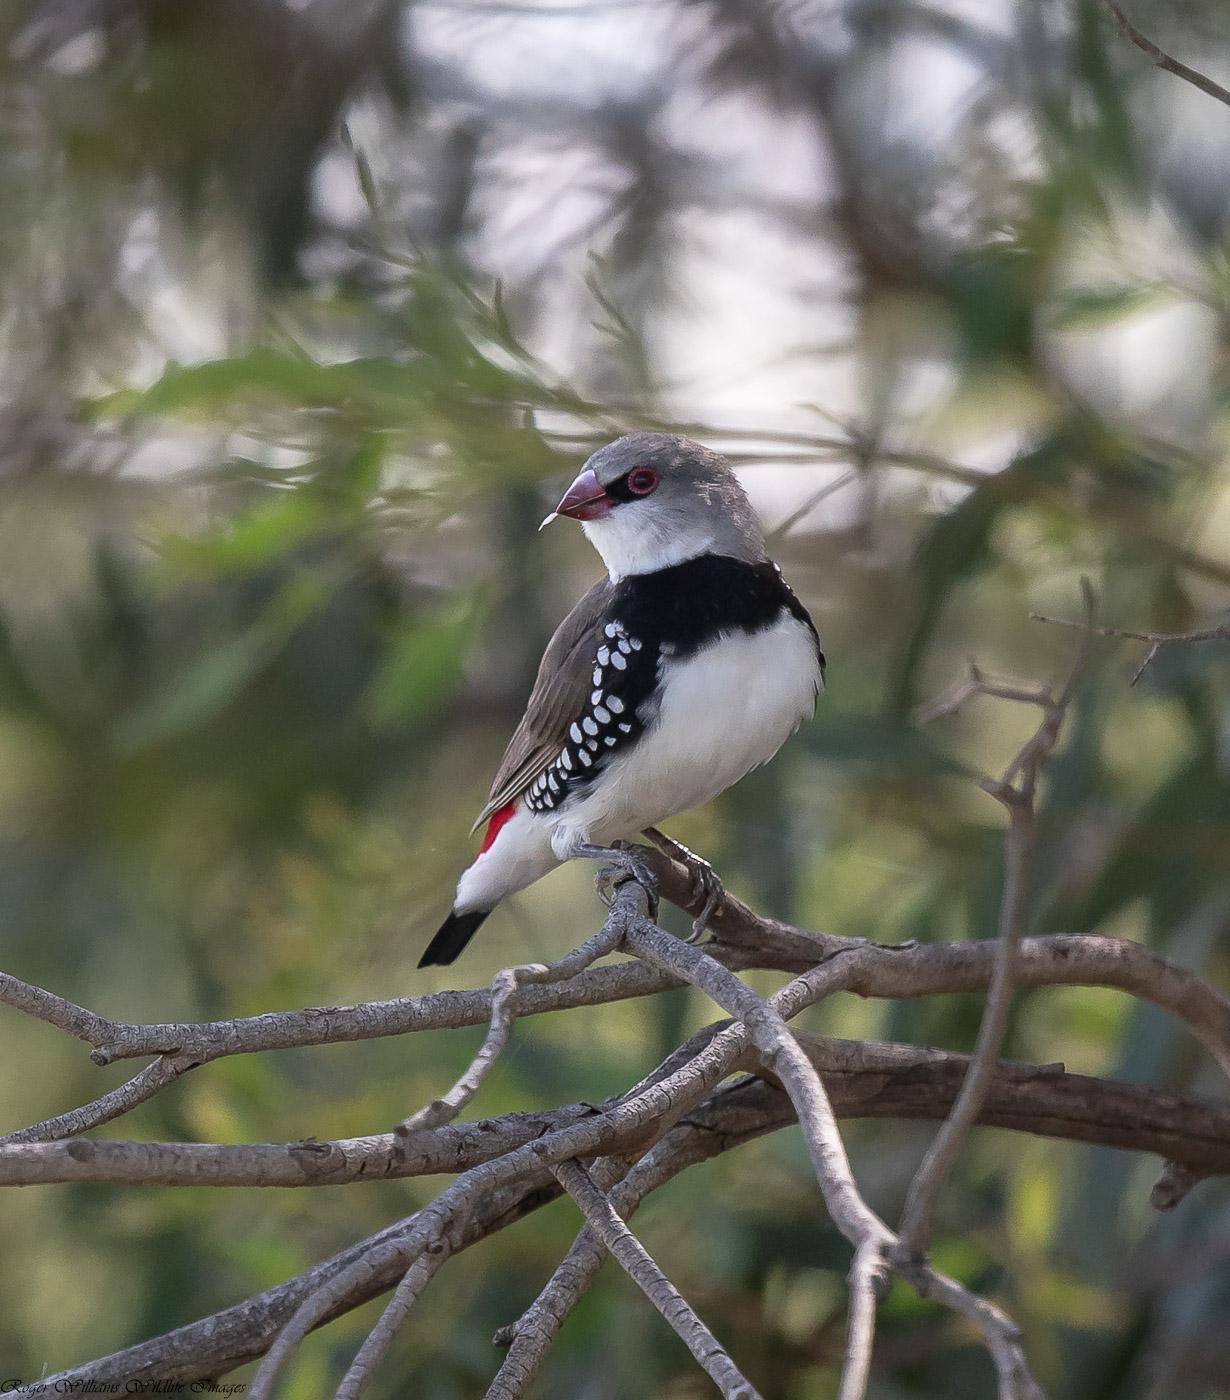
(630, 865)
(705, 883)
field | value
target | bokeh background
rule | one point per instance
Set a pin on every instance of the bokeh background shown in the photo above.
(308, 309)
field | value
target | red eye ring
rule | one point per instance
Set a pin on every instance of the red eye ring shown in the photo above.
(642, 481)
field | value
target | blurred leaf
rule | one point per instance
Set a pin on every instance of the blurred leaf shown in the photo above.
(1098, 306)
(423, 665)
(373, 386)
(204, 688)
(254, 539)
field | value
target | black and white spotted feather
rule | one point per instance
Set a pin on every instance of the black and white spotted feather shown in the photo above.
(624, 674)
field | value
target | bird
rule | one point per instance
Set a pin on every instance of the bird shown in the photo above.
(687, 666)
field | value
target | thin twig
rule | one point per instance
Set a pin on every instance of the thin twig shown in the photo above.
(865, 1280)
(805, 507)
(1158, 641)
(637, 1262)
(977, 682)
(151, 1080)
(380, 1338)
(1000, 1334)
(1017, 792)
(504, 988)
(942, 1154)
(1162, 59)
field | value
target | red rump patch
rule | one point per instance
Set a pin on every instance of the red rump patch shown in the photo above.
(496, 824)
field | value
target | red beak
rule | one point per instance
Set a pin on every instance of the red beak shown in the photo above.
(585, 499)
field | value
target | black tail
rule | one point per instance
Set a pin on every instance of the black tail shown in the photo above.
(455, 932)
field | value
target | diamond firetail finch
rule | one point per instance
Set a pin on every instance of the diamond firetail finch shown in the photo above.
(690, 664)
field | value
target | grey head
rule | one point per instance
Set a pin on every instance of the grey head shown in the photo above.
(650, 500)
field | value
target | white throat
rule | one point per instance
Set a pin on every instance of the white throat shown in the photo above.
(636, 543)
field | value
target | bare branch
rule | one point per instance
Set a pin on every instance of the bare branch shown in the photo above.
(1056, 959)
(742, 940)
(1162, 59)
(766, 1029)
(864, 1079)
(57, 1011)
(422, 1234)
(378, 1157)
(637, 1262)
(530, 1337)
(640, 1117)
(511, 1171)
(648, 1111)
(372, 1020)
(729, 1116)
(783, 1055)
(197, 1043)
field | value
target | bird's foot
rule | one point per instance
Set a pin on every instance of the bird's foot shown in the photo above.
(706, 885)
(626, 863)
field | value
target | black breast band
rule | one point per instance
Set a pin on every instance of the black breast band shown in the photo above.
(671, 614)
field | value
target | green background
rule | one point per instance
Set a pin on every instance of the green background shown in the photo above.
(300, 336)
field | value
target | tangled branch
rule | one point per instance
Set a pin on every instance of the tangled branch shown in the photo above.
(735, 1080)
(863, 1080)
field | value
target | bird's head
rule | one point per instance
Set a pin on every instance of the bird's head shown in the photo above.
(650, 500)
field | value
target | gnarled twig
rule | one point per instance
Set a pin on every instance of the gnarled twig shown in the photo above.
(1163, 59)
(1017, 791)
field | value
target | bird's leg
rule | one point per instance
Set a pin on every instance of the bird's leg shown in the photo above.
(626, 863)
(706, 883)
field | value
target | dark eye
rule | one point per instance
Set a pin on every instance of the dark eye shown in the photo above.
(642, 480)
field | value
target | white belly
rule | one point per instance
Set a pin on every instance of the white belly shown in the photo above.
(723, 712)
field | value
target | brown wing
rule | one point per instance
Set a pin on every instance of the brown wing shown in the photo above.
(558, 696)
